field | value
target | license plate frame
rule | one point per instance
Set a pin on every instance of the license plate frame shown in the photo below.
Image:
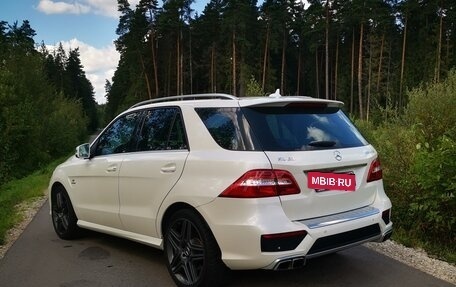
(325, 181)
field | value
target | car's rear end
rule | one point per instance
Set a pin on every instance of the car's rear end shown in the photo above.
(299, 182)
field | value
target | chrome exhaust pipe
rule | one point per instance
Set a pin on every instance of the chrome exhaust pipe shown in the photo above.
(290, 263)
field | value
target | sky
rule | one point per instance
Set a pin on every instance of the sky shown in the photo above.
(89, 25)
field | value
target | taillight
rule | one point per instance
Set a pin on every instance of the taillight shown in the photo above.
(375, 171)
(262, 183)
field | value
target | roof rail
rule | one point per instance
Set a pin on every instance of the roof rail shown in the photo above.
(186, 97)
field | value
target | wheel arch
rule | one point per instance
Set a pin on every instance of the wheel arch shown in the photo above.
(173, 208)
(53, 189)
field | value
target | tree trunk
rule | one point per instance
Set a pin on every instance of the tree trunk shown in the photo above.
(146, 76)
(317, 87)
(380, 63)
(234, 62)
(168, 92)
(282, 73)
(439, 47)
(401, 83)
(212, 72)
(369, 80)
(298, 77)
(265, 57)
(388, 74)
(336, 69)
(352, 78)
(190, 62)
(177, 64)
(327, 52)
(360, 72)
(154, 61)
(181, 65)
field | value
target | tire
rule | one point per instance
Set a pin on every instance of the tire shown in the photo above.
(64, 218)
(192, 255)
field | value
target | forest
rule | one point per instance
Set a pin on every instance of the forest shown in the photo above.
(47, 104)
(366, 53)
(391, 62)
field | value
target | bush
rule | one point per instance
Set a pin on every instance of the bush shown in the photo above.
(418, 155)
(433, 204)
(36, 124)
(432, 109)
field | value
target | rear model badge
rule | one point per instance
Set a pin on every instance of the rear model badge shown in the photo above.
(337, 155)
(285, 158)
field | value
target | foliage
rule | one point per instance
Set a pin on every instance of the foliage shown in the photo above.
(17, 191)
(253, 88)
(434, 203)
(303, 50)
(418, 153)
(432, 109)
(38, 121)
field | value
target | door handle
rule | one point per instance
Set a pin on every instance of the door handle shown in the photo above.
(169, 168)
(112, 168)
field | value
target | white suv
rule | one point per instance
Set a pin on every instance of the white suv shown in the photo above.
(218, 181)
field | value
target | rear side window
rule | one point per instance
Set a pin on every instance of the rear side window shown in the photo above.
(228, 128)
(163, 129)
(294, 129)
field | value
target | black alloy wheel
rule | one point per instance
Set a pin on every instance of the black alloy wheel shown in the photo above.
(63, 217)
(193, 256)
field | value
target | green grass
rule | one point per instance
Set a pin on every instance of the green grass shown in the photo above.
(433, 249)
(22, 190)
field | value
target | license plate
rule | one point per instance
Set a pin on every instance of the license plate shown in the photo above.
(331, 181)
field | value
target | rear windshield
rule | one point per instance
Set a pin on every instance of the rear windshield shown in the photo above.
(293, 129)
(280, 128)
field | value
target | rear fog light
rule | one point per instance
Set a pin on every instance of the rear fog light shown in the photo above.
(386, 216)
(282, 241)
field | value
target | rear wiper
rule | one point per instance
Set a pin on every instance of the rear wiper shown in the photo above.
(322, 143)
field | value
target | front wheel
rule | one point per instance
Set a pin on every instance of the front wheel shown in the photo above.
(193, 256)
(63, 216)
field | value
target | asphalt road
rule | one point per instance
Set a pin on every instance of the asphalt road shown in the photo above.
(40, 258)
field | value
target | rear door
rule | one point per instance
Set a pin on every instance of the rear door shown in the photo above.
(147, 175)
(315, 137)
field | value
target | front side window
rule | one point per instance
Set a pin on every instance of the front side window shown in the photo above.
(163, 129)
(119, 137)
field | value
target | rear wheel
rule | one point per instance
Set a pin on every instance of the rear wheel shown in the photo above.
(193, 256)
(63, 216)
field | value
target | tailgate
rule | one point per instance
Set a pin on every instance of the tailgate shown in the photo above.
(312, 202)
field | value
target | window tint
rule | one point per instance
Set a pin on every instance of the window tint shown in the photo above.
(228, 128)
(163, 129)
(119, 137)
(290, 129)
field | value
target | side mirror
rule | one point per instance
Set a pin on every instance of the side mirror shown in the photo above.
(83, 151)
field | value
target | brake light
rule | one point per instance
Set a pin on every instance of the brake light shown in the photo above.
(375, 171)
(262, 183)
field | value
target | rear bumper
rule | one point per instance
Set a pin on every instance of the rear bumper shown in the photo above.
(294, 262)
(239, 233)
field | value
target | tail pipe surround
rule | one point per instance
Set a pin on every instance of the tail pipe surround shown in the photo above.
(290, 263)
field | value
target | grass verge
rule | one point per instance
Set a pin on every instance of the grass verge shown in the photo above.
(433, 249)
(22, 190)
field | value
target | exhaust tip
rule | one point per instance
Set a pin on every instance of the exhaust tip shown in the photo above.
(289, 264)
